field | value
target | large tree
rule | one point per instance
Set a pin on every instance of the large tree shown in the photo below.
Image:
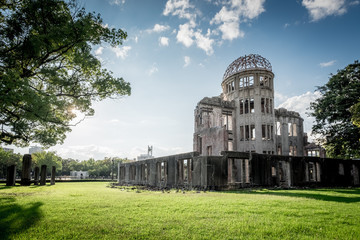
(47, 68)
(49, 159)
(8, 158)
(335, 110)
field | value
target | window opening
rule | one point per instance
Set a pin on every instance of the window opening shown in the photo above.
(251, 80)
(246, 106)
(247, 133)
(278, 128)
(341, 169)
(263, 130)
(252, 107)
(241, 106)
(294, 129)
(252, 127)
(209, 150)
(241, 133)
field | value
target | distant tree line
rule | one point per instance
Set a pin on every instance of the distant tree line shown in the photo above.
(96, 168)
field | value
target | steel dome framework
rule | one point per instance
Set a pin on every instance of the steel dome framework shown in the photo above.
(247, 62)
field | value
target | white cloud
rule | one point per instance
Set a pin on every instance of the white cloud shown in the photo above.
(204, 42)
(229, 18)
(164, 41)
(85, 152)
(185, 34)
(286, 25)
(158, 28)
(121, 52)
(353, 3)
(187, 61)
(179, 8)
(136, 39)
(99, 51)
(230, 30)
(152, 70)
(319, 9)
(327, 64)
(249, 8)
(117, 2)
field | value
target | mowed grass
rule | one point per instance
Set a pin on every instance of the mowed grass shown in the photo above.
(92, 210)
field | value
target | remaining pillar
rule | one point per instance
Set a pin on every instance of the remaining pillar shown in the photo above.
(43, 175)
(26, 169)
(11, 175)
(53, 171)
(36, 177)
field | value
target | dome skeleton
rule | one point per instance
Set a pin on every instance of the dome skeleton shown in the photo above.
(252, 61)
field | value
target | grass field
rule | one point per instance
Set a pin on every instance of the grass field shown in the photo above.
(94, 211)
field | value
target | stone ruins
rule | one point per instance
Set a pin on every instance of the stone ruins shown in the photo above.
(241, 140)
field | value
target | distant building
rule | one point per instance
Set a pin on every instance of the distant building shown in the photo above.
(146, 156)
(313, 150)
(35, 149)
(79, 174)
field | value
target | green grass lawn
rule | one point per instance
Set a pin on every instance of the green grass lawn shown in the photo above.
(92, 210)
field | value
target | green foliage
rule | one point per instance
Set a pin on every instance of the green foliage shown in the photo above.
(355, 111)
(333, 116)
(47, 158)
(93, 211)
(96, 168)
(47, 69)
(7, 159)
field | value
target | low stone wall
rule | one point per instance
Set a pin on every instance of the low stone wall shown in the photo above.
(235, 170)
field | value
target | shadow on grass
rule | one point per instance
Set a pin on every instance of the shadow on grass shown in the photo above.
(317, 194)
(15, 218)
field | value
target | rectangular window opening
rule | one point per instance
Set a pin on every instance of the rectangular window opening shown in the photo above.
(246, 106)
(251, 80)
(252, 128)
(247, 133)
(241, 133)
(278, 129)
(252, 105)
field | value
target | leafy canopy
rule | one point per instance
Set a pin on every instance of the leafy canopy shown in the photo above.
(47, 69)
(335, 110)
(47, 158)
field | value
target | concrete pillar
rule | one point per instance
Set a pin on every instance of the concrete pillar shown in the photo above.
(11, 175)
(26, 169)
(36, 176)
(53, 171)
(43, 175)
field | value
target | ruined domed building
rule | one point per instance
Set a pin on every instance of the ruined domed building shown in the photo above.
(243, 117)
(241, 140)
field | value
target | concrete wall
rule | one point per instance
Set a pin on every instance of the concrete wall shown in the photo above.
(233, 170)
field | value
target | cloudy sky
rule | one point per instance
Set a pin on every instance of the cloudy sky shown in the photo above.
(178, 50)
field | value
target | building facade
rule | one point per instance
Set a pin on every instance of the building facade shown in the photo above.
(243, 117)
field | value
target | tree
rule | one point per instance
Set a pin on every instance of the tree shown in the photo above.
(333, 117)
(8, 158)
(47, 69)
(355, 111)
(47, 158)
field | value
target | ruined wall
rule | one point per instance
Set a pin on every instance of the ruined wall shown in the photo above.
(234, 170)
(213, 126)
(289, 133)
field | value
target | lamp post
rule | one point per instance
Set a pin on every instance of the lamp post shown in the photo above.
(112, 170)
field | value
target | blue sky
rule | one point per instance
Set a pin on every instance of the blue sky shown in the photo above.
(178, 50)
